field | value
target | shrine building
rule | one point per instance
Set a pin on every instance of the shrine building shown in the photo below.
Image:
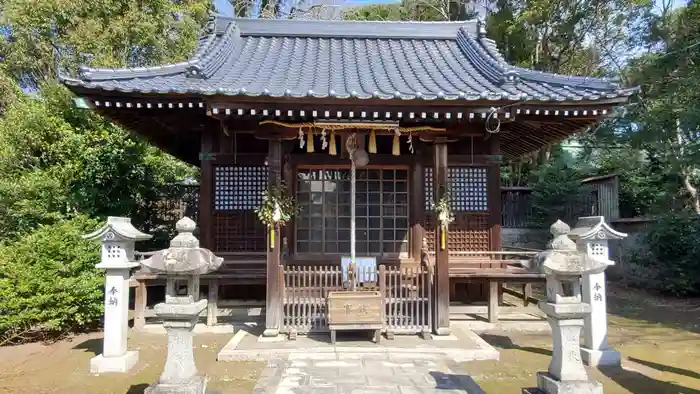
(433, 110)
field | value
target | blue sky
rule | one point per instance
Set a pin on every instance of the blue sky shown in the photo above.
(224, 7)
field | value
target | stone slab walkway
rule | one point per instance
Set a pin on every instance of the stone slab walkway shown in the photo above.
(461, 346)
(364, 373)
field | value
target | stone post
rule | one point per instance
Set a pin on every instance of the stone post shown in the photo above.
(184, 260)
(563, 266)
(118, 238)
(591, 235)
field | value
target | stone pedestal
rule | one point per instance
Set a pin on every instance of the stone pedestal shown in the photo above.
(123, 363)
(592, 235)
(180, 372)
(547, 384)
(114, 357)
(595, 350)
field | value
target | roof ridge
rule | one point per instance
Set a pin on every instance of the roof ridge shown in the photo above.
(475, 53)
(514, 73)
(353, 29)
(213, 56)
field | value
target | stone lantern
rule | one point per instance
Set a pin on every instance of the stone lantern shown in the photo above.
(183, 261)
(564, 266)
(118, 237)
(591, 235)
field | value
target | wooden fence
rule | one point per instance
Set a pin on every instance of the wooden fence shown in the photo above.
(516, 205)
(407, 296)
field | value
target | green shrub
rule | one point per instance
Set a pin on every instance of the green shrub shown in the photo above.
(48, 281)
(557, 193)
(670, 259)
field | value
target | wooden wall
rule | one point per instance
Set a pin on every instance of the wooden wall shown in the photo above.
(234, 173)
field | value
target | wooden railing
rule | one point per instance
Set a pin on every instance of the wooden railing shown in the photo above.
(407, 298)
(304, 292)
(406, 293)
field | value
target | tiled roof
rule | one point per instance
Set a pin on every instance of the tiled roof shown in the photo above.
(345, 59)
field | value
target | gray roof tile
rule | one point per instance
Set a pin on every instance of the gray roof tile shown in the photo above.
(344, 59)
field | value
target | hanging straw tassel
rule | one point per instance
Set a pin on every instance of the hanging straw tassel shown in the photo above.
(372, 148)
(324, 141)
(331, 148)
(301, 138)
(396, 148)
(310, 141)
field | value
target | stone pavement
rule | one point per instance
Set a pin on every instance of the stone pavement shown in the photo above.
(364, 373)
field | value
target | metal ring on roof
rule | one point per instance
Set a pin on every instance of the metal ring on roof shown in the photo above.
(492, 123)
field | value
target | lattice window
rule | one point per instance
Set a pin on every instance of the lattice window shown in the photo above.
(428, 187)
(239, 231)
(469, 233)
(468, 188)
(429, 233)
(597, 249)
(381, 211)
(239, 187)
(114, 252)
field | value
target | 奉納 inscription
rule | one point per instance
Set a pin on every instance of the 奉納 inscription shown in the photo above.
(112, 297)
(597, 296)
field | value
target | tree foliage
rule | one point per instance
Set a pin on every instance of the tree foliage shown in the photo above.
(49, 281)
(415, 10)
(557, 192)
(66, 169)
(666, 117)
(39, 34)
(669, 260)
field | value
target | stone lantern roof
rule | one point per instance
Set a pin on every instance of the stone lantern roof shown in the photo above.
(118, 229)
(184, 256)
(594, 227)
(562, 257)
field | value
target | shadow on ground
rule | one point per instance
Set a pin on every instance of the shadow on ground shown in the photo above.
(137, 388)
(446, 381)
(636, 382)
(93, 345)
(666, 368)
(504, 342)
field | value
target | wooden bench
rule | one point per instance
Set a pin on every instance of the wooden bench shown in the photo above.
(232, 272)
(495, 278)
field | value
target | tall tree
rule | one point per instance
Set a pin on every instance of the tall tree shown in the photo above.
(666, 117)
(416, 10)
(583, 37)
(41, 34)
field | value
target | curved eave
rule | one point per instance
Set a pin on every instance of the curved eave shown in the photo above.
(616, 97)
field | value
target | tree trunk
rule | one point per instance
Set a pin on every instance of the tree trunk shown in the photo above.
(693, 191)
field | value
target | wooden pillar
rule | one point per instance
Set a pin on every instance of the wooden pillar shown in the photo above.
(417, 212)
(442, 261)
(273, 305)
(494, 192)
(140, 301)
(288, 175)
(493, 301)
(206, 192)
(213, 302)
(527, 293)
